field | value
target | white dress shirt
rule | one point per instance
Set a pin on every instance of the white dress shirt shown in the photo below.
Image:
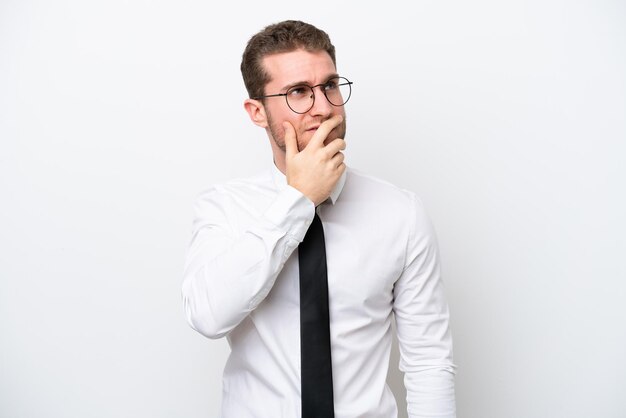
(242, 281)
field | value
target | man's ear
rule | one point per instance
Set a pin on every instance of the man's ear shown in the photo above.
(256, 111)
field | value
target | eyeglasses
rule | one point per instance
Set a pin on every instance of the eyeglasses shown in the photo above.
(301, 98)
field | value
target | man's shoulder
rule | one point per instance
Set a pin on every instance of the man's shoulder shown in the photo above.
(381, 196)
(258, 182)
(375, 187)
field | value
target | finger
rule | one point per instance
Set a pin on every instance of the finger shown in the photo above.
(322, 132)
(336, 145)
(291, 142)
(337, 159)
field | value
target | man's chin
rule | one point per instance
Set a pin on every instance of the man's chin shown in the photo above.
(338, 132)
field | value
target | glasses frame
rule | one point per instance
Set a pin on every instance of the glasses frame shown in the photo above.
(347, 83)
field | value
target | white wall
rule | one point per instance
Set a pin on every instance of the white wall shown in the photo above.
(507, 118)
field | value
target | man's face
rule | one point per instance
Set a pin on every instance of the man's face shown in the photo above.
(295, 68)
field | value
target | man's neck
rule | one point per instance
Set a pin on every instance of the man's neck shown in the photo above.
(280, 164)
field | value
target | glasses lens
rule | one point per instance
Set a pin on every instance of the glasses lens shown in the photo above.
(300, 98)
(338, 91)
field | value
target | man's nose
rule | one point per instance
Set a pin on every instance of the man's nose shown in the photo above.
(321, 106)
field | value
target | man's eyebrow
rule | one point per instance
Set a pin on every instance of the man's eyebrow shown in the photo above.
(306, 83)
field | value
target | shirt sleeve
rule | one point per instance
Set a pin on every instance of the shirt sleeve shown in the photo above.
(230, 269)
(422, 323)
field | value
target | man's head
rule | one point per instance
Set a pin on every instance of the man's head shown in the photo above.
(281, 56)
(280, 37)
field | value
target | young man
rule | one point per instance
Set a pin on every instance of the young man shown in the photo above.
(303, 267)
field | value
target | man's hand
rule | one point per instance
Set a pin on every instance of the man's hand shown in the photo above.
(315, 170)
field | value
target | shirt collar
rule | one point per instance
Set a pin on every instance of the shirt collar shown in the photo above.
(281, 181)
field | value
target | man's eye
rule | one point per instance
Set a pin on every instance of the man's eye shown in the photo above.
(297, 92)
(331, 85)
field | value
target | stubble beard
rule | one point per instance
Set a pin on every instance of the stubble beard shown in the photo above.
(278, 133)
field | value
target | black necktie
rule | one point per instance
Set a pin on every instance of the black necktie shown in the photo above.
(316, 367)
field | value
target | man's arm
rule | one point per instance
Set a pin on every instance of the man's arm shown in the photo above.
(228, 273)
(422, 322)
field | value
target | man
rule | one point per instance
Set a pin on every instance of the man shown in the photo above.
(304, 267)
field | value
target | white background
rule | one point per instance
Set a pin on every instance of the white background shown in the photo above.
(507, 118)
